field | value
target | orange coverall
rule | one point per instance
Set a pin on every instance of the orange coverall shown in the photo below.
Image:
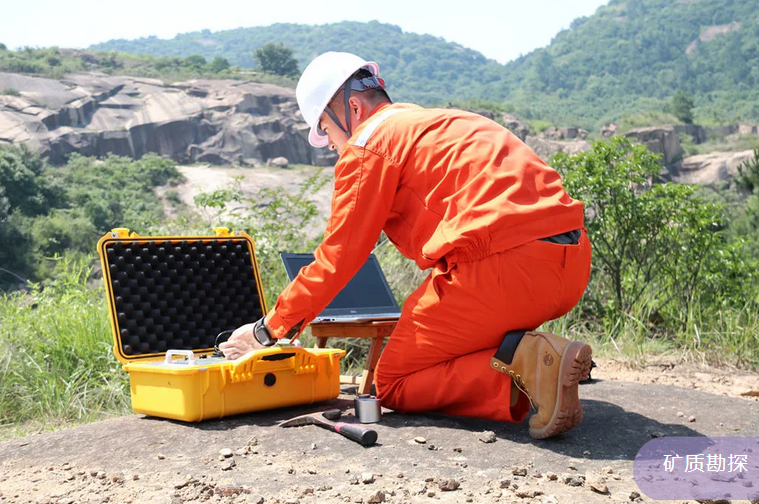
(460, 194)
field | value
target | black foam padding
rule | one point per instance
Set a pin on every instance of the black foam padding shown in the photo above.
(180, 295)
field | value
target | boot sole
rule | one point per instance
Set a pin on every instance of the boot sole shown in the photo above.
(567, 414)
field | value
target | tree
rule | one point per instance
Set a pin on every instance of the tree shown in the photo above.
(219, 64)
(682, 106)
(544, 69)
(748, 173)
(24, 193)
(195, 60)
(276, 59)
(3, 47)
(650, 241)
(26, 189)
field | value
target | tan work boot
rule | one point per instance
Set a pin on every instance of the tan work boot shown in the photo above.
(548, 368)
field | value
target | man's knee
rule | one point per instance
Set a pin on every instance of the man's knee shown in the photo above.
(388, 387)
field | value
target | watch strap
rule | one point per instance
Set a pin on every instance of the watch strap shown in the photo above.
(262, 334)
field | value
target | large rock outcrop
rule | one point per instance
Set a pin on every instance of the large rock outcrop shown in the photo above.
(214, 121)
(748, 129)
(563, 133)
(659, 140)
(665, 140)
(709, 169)
(547, 148)
(516, 126)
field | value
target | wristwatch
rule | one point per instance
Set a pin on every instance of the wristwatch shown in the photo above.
(262, 334)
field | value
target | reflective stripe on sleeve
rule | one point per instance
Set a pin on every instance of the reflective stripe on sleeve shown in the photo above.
(364, 136)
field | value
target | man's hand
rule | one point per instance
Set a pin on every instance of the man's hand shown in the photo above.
(241, 342)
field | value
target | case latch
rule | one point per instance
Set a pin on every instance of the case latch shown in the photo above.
(120, 233)
(123, 233)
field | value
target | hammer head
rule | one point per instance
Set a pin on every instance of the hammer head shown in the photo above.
(319, 417)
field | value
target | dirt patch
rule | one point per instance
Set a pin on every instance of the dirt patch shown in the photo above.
(729, 382)
(708, 34)
(203, 178)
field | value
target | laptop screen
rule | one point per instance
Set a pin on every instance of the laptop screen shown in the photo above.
(367, 292)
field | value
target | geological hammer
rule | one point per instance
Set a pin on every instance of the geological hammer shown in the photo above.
(357, 433)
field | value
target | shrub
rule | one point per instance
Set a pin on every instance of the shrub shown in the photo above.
(276, 219)
(25, 193)
(748, 173)
(651, 242)
(17, 65)
(172, 197)
(682, 106)
(22, 175)
(46, 212)
(276, 59)
(63, 231)
(539, 126)
(117, 191)
(689, 148)
(195, 60)
(218, 64)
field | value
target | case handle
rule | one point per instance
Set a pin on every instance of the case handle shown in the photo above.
(272, 359)
(187, 353)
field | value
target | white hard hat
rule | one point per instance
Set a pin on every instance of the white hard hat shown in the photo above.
(321, 79)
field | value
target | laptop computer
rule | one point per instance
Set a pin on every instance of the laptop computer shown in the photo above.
(366, 297)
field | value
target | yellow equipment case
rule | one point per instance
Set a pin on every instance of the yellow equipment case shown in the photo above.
(170, 297)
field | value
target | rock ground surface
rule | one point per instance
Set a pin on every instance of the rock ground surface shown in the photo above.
(248, 459)
(708, 169)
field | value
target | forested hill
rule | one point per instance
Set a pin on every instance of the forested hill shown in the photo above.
(630, 51)
(628, 56)
(420, 68)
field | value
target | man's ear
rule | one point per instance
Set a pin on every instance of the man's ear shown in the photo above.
(357, 108)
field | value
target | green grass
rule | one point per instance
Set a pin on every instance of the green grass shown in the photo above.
(56, 360)
(644, 119)
(539, 125)
(725, 337)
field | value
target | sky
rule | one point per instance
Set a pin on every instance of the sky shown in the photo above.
(499, 29)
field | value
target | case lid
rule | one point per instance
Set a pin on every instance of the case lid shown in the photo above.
(178, 292)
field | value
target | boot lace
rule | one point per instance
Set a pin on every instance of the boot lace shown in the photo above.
(517, 379)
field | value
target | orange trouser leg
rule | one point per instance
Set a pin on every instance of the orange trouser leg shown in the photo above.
(438, 358)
